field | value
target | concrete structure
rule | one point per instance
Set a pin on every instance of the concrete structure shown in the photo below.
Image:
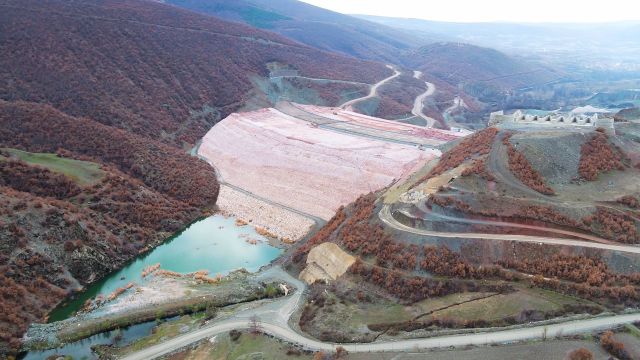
(552, 118)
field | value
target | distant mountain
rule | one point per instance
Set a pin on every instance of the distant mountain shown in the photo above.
(483, 72)
(477, 65)
(314, 26)
(598, 45)
(147, 67)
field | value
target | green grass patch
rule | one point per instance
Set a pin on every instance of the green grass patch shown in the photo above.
(633, 330)
(82, 172)
(248, 346)
(503, 305)
(378, 313)
(165, 330)
(368, 106)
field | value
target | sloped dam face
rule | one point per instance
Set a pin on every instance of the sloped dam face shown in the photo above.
(216, 244)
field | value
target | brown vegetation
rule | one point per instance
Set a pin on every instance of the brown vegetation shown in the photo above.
(148, 192)
(579, 269)
(581, 276)
(36, 180)
(415, 288)
(616, 226)
(147, 67)
(477, 144)
(629, 201)
(478, 167)
(161, 167)
(580, 354)
(44, 240)
(521, 168)
(398, 268)
(598, 155)
(547, 215)
(613, 347)
(22, 303)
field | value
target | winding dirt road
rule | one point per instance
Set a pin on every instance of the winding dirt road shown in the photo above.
(587, 237)
(388, 219)
(318, 79)
(373, 92)
(274, 316)
(419, 101)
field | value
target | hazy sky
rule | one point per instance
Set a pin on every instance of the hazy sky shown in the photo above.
(492, 10)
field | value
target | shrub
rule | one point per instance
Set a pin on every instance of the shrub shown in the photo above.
(598, 155)
(522, 169)
(477, 144)
(235, 334)
(581, 354)
(613, 347)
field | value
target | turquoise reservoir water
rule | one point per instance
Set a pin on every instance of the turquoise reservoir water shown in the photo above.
(215, 244)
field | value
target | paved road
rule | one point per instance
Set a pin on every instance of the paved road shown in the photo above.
(388, 219)
(418, 103)
(374, 90)
(484, 338)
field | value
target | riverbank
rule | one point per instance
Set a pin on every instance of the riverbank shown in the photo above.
(216, 244)
(140, 304)
(278, 222)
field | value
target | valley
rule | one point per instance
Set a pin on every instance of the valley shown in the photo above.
(554, 307)
(189, 179)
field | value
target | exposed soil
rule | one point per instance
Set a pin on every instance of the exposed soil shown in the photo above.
(311, 169)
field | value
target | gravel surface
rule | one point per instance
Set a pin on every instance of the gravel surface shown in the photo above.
(555, 155)
(313, 170)
(285, 224)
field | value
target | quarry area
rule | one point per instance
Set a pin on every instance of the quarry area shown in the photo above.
(310, 164)
(326, 262)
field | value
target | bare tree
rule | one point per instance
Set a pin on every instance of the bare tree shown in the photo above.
(254, 325)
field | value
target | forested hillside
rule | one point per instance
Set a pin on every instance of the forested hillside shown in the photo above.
(484, 73)
(146, 67)
(107, 95)
(59, 232)
(314, 26)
